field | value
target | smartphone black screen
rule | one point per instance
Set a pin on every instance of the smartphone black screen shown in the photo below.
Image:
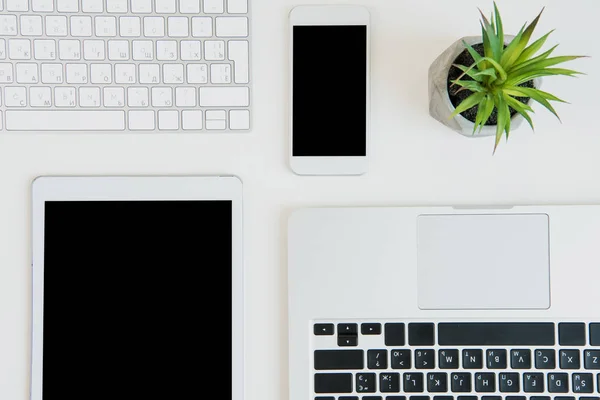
(329, 91)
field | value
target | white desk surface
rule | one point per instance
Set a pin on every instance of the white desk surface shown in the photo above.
(415, 160)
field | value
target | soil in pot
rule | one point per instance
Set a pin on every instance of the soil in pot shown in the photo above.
(467, 60)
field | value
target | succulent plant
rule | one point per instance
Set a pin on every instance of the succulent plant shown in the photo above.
(497, 76)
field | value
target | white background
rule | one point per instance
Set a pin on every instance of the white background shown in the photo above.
(415, 160)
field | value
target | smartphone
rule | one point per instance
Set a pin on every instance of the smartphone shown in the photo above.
(330, 90)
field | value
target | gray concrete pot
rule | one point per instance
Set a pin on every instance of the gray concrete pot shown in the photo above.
(440, 106)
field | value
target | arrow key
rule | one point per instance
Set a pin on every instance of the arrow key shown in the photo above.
(370, 329)
(323, 329)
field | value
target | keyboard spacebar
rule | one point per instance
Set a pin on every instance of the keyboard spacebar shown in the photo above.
(65, 120)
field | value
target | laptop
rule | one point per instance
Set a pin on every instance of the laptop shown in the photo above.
(133, 277)
(444, 303)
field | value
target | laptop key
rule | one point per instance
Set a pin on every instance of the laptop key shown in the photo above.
(583, 383)
(569, 359)
(325, 398)
(421, 334)
(592, 359)
(595, 334)
(570, 334)
(448, 359)
(323, 329)
(347, 329)
(485, 382)
(461, 382)
(371, 398)
(370, 329)
(333, 383)
(473, 359)
(437, 382)
(394, 334)
(389, 382)
(413, 382)
(377, 359)
(425, 359)
(365, 382)
(395, 398)
(401, 359)
(520, 359)
(509, 382)
(545, 359)
(348, 398)
(339, 359)
(558, 383)
(496, 359)
(515, 398)
(540, 398)
(533, 383)
(490, 334)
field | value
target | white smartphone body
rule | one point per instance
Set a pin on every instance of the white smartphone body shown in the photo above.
(330, 90)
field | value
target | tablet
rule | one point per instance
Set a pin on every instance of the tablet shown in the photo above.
(136, 280)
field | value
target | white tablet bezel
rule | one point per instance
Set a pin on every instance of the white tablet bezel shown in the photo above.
(136, 188)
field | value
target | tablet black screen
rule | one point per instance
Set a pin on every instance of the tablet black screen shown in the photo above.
(137, 300)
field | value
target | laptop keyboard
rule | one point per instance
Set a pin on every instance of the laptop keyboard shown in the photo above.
(455, 361)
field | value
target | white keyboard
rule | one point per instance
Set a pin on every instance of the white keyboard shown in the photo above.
(125, 65)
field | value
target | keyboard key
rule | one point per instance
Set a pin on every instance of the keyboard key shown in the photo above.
(583, 383)
(141, 6)
(592, 359)
(515, 398)
(413, 382)
(425, 359)
(545, 359)
(496, 359)
(141, 120)
(377, 359)
(338, 359)
(520, 359)
(421, 334)
(401, 359)
(394, 398)
(237, 6)
(437, 382)
(347, 333)
(485, 382)
(42, 5)
(419, 398)
(533, 383)
(448, 359)
(558, 383)
(595, 334)
(214, 50)
(154, 26)
(177, 26)
(348, 398)
(192, 120)
(236, 27)
(564, 398)
(64, 120)
(509, 382)
(389, 382)
(371, 398)
(215, 96)
(40, 96)
(202, 27)
(540, 398)
(333, 383)
(461, 382)
(459, 397)
(370, 329)
(569, 359)
(168, 120)
(491, 397)
(56, 25)
(326, 398)
(510, 334)
(165, 6)
(67, 6)
(8, 25)
(571, 334)
(473, 359)
(589, 398)
(19, 49)
(323, 329)
(92, 6)
(213, 6)
(394, 334)
(239, 54)
(365, 382)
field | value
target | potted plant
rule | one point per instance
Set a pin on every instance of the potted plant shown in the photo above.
(484, 85)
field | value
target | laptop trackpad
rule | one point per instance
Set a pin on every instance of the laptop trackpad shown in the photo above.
(469, 262)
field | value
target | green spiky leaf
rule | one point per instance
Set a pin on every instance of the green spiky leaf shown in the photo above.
(495, 76)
